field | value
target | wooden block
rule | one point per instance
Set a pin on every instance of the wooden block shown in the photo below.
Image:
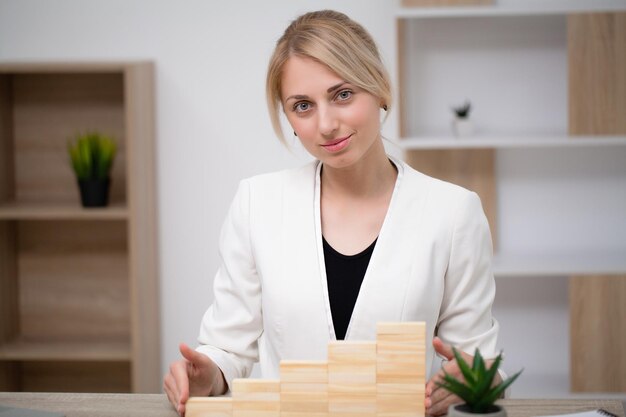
(351, 379)
(356, 403)
(352, 362)
(401, 353)
(303, 371)
(351, 352)
(304, 402)
(302, 414)
(313, 402)
(256, 398)
(289, 387)
(342, 374)
(304, 388)
(405, 388)
(408, 328)
(244, 388)
(400, 405)
(209, 407)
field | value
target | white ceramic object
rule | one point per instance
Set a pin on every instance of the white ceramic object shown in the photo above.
(462, 127)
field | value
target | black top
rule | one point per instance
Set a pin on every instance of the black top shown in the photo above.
(344, 275)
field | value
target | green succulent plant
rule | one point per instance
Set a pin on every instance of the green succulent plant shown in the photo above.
(92, 155)
(463, 111)
(477, 390)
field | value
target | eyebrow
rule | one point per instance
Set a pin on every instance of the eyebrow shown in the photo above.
(335, 87)
(304, 97)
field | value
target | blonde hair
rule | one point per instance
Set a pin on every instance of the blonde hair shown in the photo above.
(336, 41)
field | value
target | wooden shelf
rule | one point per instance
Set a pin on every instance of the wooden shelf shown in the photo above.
(48, 211)
(81, 282)
(513, 141)
(519, 265)
(66, 67)
(529, 7)
(19, 350)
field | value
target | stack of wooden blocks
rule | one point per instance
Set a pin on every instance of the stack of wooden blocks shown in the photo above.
(385, 378)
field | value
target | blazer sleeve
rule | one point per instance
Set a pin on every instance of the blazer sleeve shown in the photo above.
(465, 319)
(232, 325)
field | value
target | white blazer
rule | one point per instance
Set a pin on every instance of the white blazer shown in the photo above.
(432, 263)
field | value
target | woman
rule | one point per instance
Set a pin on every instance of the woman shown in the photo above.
(299, 246)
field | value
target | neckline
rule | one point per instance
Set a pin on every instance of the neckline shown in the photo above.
(365, 252)
(358, 309)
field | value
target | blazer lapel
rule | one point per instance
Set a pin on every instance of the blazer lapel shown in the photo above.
(384, 287)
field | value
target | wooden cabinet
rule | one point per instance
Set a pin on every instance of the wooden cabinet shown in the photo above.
(547, 81)
(78, 287)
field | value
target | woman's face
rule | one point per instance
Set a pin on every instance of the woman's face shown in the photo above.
(336, 121)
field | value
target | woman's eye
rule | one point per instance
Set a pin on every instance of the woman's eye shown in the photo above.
(344, 95)
(301, 107)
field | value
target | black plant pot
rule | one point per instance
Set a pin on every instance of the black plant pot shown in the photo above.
(95, 192)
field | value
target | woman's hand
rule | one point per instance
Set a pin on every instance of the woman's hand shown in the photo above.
(194, 375)
(438, 399)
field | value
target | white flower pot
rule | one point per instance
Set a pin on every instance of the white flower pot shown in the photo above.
(462, 410)
(462, 127)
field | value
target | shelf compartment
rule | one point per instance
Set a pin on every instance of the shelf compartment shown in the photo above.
(73, 280)
(98, 377)
(47, 211)
(522, 89)
(97, 351)
(511, 141)
(39, 114)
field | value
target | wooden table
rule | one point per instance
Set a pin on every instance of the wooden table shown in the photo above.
(156, 405)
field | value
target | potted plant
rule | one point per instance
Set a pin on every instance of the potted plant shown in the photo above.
(462, 125)
(478, 390)
(92, 156)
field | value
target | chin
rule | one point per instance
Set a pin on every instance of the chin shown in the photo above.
(338, 161)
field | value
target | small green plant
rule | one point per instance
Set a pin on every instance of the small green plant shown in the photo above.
(462, 112)
(477, 390)
(92, 155)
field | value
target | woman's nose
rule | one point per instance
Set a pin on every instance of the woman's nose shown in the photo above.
(328, 121)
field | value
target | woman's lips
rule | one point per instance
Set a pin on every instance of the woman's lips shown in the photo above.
(338, 144)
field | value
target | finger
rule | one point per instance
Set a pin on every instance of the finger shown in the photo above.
(443, 349)
(192, 355)
(435, 380)
(167, 388)
(441, 407)
(436, 392)
(178, 370)
(439, 396)
(172, 395)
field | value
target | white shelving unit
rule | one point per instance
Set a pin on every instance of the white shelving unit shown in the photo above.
(560, 199)
(511, 8)
(507, 265)
(520, 142)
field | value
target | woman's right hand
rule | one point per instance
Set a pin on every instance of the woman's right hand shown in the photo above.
(193, 376)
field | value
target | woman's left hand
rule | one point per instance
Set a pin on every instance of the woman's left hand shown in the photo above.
(438, 399)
